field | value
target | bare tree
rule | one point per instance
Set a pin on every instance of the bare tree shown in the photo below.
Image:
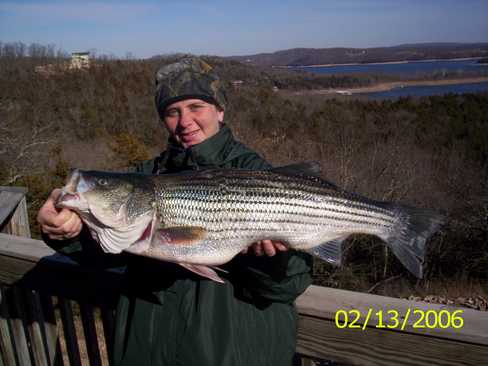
(20, 150)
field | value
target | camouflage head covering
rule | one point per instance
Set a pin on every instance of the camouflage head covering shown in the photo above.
(190, 77)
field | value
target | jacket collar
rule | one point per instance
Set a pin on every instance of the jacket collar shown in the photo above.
(214, 151)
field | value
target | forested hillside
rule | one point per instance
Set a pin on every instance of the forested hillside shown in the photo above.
(429, 152)
(342, 55)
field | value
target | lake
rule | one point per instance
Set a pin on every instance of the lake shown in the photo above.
(411, 68)
(426, 90)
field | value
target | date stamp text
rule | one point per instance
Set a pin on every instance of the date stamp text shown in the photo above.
(393, 319)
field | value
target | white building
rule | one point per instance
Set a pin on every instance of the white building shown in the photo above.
(80, 60)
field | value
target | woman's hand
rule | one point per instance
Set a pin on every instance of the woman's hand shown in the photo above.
(266, 247)
(58, 224)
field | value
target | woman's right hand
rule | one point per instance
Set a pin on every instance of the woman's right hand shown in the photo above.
(58, 224)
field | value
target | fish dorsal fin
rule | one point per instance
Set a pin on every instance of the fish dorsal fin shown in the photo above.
(180, 235)
(203, 271)
(310, 168)
(330, 251)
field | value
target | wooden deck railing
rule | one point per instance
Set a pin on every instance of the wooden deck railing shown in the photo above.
(55, 312)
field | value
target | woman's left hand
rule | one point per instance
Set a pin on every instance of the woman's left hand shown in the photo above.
(266, 247)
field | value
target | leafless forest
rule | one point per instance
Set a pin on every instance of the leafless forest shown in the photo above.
(430, 152)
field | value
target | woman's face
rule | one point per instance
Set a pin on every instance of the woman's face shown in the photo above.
(192, 121)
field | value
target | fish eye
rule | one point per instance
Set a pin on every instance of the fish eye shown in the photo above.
(102, 182)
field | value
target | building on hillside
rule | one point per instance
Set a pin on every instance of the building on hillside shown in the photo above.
(80, 60)
(46, 70)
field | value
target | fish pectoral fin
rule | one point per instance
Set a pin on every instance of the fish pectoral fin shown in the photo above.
(203, 271)
(180, 235)
(330, 251)
(219, 269)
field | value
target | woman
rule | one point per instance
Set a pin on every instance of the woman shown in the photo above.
(167, 315)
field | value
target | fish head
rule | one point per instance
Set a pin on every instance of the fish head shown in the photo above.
(113, 199)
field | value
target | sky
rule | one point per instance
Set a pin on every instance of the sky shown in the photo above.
(218, 27)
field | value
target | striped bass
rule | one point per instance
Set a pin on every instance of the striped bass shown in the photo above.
(202, 219)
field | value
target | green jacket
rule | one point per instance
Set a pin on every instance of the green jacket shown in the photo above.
(170, 316)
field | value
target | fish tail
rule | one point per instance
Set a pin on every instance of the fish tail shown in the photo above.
(408, 235)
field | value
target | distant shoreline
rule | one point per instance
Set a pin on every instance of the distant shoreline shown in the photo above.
(381, 63)
(386, 86)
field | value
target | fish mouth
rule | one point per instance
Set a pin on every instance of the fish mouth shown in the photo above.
(72, 193)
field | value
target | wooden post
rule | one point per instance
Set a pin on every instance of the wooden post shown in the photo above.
(17, 314)
(35, 327)
(14, 219)
(108, 330)
(6, 344)
(50, 328)
(69, 331)
(88, 320)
